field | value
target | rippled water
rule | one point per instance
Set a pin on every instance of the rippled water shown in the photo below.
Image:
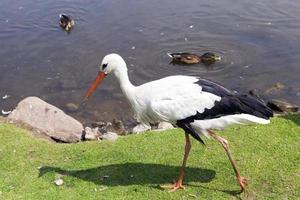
(258, 41)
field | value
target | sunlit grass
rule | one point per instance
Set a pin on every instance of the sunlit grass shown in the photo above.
(136, 165)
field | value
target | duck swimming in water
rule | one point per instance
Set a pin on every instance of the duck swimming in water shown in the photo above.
(66, 22)
(190, 58)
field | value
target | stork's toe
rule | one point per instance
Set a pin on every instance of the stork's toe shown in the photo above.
(173, 187)
(243, 182)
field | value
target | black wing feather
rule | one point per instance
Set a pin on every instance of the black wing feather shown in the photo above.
(231, 103)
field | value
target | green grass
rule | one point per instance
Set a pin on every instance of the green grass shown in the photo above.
(269, 156)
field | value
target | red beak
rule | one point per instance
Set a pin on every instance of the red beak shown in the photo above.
(93, 87)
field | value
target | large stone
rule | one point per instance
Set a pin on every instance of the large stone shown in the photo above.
(282, 106)
(47, 118)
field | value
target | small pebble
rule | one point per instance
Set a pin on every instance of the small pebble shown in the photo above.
(163, 126)
(191, 26)
(91, 134)
(59, 182)
(133, 47)
(140, 128)
(108, 124)
(185, 39)
(71, 107)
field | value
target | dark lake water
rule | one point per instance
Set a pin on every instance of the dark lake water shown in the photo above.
(259, 42)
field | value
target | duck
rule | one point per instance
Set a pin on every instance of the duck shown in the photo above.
(191, 58)
(66, 22)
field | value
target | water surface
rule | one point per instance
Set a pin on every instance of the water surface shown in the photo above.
(258, 41)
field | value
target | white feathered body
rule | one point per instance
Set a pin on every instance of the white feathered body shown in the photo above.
(178, 97)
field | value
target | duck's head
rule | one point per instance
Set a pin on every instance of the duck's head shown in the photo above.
(209, 58)
(66, 22)
(111, 63)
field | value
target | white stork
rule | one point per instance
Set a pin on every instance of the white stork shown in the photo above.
(196, 105)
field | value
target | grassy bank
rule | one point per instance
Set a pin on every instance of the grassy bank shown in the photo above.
(268, 156)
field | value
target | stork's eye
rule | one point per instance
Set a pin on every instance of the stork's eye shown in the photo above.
(104, 66)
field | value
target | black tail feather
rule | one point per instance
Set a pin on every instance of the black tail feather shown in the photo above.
(188, 129)
(256, 107)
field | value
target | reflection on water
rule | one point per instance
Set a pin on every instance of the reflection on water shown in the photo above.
(258, 42)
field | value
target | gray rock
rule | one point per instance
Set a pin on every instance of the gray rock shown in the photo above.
(282, 106)
(164, 126)
(71, 107)
(91, 133)
(111, 136)
(48, 119)
(140, 128)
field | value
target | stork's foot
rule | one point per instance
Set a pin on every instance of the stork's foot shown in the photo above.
(175, 186)
(243, 182)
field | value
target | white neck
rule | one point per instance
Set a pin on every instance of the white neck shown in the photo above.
(125, 84)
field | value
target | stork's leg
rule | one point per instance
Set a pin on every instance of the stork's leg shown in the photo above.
(242, 181)
(178, 183)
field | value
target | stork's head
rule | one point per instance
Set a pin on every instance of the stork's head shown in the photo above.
(110, 63)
